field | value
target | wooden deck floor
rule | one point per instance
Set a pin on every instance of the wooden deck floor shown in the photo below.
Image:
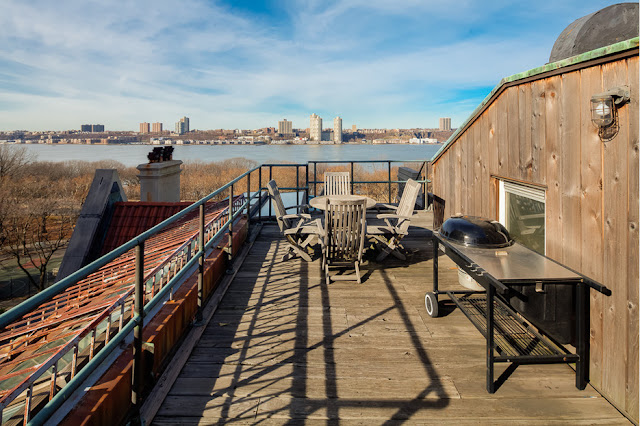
(286, 348)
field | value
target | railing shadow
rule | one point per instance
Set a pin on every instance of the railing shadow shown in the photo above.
(263, 345)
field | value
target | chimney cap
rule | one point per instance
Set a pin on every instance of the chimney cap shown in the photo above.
(160, 154)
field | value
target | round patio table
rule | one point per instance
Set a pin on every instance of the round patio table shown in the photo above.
(321, 201)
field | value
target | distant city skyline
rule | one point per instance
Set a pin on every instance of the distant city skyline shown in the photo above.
(246, 65)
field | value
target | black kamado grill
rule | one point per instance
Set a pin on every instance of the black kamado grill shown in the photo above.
(472, 231)
(477, 232)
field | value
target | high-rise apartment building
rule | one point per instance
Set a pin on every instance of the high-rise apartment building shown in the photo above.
(337, 130)
(93, 128)
(354, 128)
(285, 127)
(445, 123)
(144, 127)
(182, 126)
(315, 128)
(156, 128)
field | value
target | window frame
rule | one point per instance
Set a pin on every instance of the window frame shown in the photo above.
(532, 192)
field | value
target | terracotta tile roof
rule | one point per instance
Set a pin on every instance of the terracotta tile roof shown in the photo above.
(133, 218)
(50, 330)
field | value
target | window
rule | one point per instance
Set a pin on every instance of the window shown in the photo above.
(522, 212)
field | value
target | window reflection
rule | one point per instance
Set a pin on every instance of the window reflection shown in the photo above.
(525, 221)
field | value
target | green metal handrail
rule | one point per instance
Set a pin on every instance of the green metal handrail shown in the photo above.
(29, 304)
(144, 309)
(137, 243)
(424, 181)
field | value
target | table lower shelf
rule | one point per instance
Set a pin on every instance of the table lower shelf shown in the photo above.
(515, 340)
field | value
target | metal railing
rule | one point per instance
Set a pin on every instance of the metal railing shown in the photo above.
(422, 172)
(148, 290)
(152, 287)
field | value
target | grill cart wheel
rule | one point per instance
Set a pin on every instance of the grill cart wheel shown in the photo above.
(431, 303)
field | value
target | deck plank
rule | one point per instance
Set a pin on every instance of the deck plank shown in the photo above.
(284, 347)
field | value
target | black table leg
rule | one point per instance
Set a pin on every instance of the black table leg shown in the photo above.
(582, 335)
(490, 383)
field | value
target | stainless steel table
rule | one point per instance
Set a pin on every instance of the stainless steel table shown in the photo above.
(507, 332)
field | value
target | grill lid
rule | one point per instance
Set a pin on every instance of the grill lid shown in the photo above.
(475, 231)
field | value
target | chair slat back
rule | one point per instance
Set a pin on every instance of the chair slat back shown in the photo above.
(345, 223)
(278, 205)
(407, 203)
(337, 183)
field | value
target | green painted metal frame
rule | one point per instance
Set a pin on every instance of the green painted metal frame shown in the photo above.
(138, 243)
(355, 182)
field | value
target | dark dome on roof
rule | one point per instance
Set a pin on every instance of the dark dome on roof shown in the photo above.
(607, 26)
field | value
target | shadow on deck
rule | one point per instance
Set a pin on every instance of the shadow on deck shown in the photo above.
(284, 347)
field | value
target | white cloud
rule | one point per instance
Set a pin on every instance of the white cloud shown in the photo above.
(120, 63)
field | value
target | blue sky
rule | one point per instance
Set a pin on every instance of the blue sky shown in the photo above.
(243, 64)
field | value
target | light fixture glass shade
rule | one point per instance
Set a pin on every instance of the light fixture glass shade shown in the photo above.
(602, 113)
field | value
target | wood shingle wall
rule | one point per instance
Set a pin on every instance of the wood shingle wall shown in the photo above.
(538, 130)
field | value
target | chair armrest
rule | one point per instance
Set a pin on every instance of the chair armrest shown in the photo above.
(393, 216)
(385, 206)
(387, 216)
(318, 224)
(320, 231)
(313, 227)
(390, 216)
(296, 216)
(303, 207)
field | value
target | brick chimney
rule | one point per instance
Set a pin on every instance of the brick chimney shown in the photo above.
(160, 177)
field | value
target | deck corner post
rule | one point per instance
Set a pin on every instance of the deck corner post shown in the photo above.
(136, 375)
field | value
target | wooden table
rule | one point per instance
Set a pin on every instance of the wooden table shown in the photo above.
(321, 201)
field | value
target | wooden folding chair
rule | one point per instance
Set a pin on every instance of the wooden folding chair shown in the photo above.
(344, 232)
(298, 228)
(396, 225)
(337, 183)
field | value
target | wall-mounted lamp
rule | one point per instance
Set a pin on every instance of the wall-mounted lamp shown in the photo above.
(604, 111)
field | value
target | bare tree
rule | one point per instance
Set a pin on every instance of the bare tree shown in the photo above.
(36, 225)
(12, 160)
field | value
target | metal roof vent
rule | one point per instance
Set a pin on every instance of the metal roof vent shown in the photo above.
(607, 26)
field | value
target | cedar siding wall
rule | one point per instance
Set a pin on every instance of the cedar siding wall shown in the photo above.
(539, 131)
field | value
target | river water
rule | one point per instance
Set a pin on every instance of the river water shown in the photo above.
(132, 155)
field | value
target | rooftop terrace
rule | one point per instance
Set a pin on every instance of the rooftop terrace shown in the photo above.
(284, 347)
